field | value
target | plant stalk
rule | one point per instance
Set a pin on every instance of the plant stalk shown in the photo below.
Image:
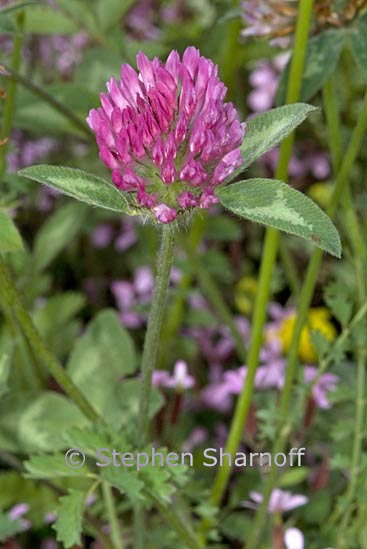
(14, 307)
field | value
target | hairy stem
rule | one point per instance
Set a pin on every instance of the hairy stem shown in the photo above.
(11, 89)
(150, 353)
(109, 501)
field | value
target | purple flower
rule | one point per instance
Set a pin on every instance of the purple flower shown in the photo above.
(280, 501)
(325, 383)
(167, 134)
(179, 380)
(17, 512)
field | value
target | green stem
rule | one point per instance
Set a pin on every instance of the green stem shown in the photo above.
(267, 264)
(210, 289)
(152, 336)
(109, 501)
(175, 521)
(150, 353)
(77, 122)
(175, 312)
(289, 268)
(13, 306)
(302, 311)
(11, 95)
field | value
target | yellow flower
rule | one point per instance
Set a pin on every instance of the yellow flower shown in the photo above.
(245, 293)
(318, 320)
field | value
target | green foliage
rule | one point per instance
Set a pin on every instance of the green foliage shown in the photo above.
(51, 466)
(69, 518)
(80, 185)
(322, 57)
(99, 360)
(358, 40)
(33, 422)
(275, 204)
(8, 527)
(339, 301)
(45, 20)
(10, 239)
(57, 232)
(4, 374)
(268, 129)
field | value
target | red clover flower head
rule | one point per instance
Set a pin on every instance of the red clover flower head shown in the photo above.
(167, 134)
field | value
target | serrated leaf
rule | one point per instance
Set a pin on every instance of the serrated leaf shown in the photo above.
(4, 374)
(6, 25)
(69, 518)
(125, 480)
(10, 240)
(268, 129)
(57, 232)
(323, 52)
(275, 204)
(339, 301)
(358, 38)
(50, 466)
(9, 527)
(80, 185)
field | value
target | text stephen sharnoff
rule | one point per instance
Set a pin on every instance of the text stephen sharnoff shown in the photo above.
(210, 457)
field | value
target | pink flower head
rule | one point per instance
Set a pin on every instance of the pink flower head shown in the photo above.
(179, 380)
(167, 134)
(280, 501)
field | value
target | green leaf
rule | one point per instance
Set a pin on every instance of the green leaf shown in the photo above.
(100, 358)
(45, 20)
(4, 374)
(34, 114)
(51, 466)
(34, 422)
(322, 57)
(339, 301)
(9, 527)
(10, 240)
(275, 204)
(69, 518)
(358, 38)
(125, 480)
(110, 12)
(268, 129)
(6, 25)
(18, 6)
(57, 232)
(294, 475)
(80, 185)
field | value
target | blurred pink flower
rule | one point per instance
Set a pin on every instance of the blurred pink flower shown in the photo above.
(280, 501)
(167, 135)
(179, 380)
(325, 383)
